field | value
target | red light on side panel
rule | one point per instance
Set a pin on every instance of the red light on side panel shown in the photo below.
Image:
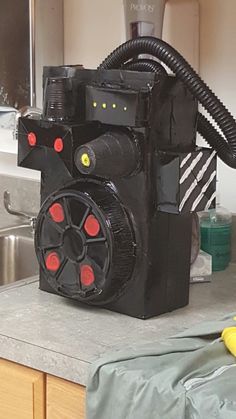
(92, 226)
(58, 145)
(52, 262)
(87, 277)
(32, 139)
(57, 213)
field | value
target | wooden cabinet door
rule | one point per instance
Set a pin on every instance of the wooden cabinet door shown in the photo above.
(65, 400)
(22, 392)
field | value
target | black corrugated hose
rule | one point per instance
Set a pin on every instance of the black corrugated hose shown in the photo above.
(145, 65)
(125, 56)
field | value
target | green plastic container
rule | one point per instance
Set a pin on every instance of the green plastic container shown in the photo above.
(216, 230)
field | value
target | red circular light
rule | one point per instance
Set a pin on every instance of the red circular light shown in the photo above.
(32, 139)
(53, 262)
(92, 226)
(57, 213)
(87, 277)
(58, 145)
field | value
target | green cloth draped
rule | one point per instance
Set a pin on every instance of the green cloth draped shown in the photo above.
(191, 375)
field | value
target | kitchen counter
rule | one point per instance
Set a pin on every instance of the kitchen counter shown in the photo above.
(61, 337)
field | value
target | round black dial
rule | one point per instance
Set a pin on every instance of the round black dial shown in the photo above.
(85, 242)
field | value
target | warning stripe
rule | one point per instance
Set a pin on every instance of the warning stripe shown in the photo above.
(210, 200)
(185, 160)
(204, 189)
(191, 167)
(198, 178)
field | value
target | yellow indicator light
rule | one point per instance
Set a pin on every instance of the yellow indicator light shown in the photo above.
(85, 160)
(125, 108)
(104, 105)
(95, 104)
(114, 106)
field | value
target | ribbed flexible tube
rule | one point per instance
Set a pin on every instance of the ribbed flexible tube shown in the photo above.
(225, 147)
(145, 65)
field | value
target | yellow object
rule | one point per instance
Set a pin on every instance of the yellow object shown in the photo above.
(104, 105)
(114, 106)
(234, 318)
(125, 108)
(85, 160)
(94, 104)
(229, 338)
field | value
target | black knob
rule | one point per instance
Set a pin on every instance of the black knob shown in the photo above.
(113, 154)
(58, 100)
(85, 243)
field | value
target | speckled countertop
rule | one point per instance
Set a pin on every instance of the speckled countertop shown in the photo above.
(61, 337)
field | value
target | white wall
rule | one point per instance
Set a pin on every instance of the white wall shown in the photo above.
(218, 68)
(93, 28)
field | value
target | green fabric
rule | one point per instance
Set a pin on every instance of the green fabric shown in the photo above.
(191, 375)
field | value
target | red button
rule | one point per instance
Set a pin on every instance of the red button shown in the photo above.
(58, 145)
(32, 139)
(57, 213)
(53, 262)
(92, 226)
(87, 277)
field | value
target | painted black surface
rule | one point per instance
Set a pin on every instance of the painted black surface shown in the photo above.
(113, 154)
(142, 267)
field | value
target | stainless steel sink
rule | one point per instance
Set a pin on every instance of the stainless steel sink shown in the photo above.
(17, 256)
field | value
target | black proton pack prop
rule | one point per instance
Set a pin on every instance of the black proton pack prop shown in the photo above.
(122, 177)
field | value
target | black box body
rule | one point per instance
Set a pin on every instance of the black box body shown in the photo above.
(118, 242)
